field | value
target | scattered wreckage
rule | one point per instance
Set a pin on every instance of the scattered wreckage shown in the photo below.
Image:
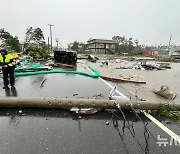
(142, 63)
(164, 91)
(88, 106)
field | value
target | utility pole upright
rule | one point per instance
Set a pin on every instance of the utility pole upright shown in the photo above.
(169, 42)
(50, 25)
(48, 42)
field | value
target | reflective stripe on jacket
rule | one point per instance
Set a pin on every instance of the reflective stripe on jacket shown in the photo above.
(8, 60)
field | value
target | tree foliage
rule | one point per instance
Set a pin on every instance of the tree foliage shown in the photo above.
(34, 36)
(126, 45)
(77, 46)
(8, 41)
(35, 43)
(39, 52)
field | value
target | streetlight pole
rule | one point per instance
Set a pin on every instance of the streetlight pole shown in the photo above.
(50, 25)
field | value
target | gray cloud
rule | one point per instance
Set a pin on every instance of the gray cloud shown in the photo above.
(149, 21)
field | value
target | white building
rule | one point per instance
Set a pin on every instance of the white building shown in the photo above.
(174, 51)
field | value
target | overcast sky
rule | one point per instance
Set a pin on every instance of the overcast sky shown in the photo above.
(150, 21)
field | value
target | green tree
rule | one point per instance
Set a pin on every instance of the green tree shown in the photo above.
(124, 44)
(75, 46)
(35, 43)
(79, 47)
(121, 45)
(8, 41)
(130, 45)
(82, 47)
(34, 36)
(119, 39)
(39, 52)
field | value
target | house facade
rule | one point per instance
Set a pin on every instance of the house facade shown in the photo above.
(101, 46)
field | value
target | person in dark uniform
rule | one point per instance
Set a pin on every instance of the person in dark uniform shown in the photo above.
(8, 67)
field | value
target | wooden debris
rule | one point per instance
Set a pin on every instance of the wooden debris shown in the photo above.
(164, 65)
(121, 80)
(66, 66)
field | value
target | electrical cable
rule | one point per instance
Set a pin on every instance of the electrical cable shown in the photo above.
(146, 130)
(132, 133)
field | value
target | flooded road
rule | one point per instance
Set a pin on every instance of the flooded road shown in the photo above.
(59, 131)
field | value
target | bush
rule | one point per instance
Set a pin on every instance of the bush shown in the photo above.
(39, 52)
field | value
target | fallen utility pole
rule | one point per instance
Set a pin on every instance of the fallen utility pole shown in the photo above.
(66, 103)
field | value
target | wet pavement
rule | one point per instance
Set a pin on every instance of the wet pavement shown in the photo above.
(59, 131)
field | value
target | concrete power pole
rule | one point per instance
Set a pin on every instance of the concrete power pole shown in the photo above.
(48, 43)
(169, 42)
(50, 25)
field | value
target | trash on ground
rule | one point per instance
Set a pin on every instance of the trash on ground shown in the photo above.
(97, 96)
(105, 63)
(147, 66)
(92, 58)
(164, 65)
(49, 63)
(164, 91)
(66, 66)
(119, 60)
(84, 111)
(107, 123)
(113, 97)
(20, 111)
(124, 67)
(81, 56)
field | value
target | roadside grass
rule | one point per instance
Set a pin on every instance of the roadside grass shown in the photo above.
(167, 111)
